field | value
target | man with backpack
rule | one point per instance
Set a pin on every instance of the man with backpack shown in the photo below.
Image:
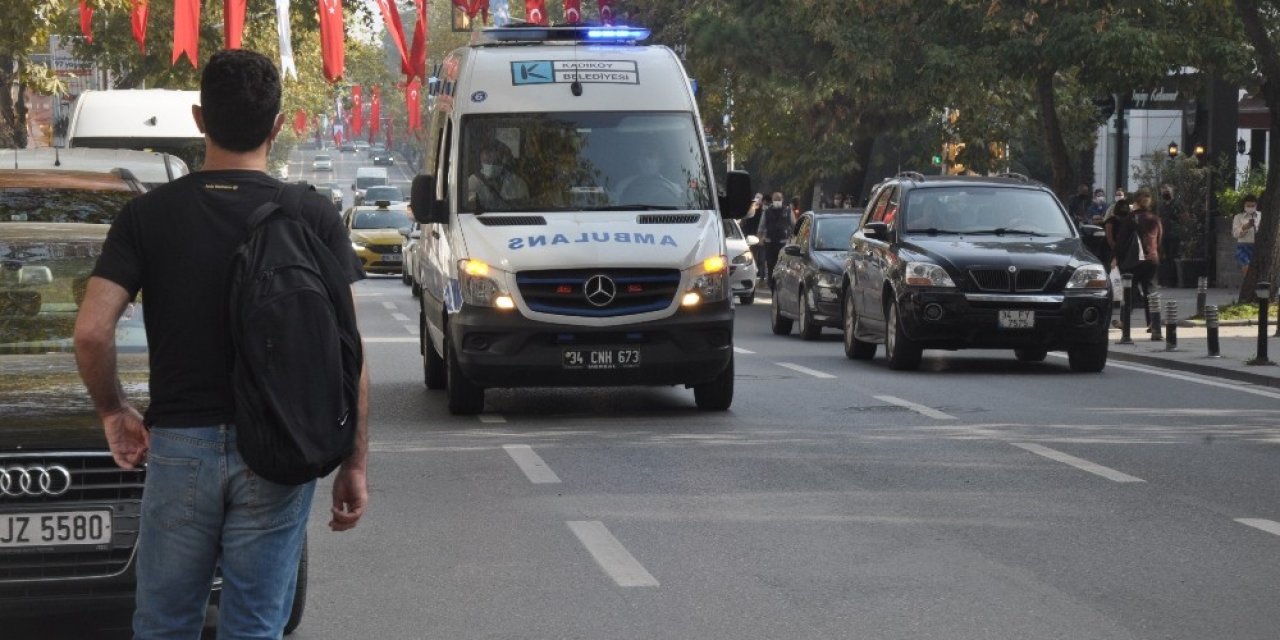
(774, 231)
(194, 248)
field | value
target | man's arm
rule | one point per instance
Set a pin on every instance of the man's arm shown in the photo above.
(95, 343)
(350, 487)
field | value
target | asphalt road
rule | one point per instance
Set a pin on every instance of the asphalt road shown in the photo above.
(977, 498)
(344, 170)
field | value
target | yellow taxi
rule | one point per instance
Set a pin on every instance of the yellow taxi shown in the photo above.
(377, 235)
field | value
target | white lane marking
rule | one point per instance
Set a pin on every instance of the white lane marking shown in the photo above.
(389, 340)
(1270, 526)
(492, 418)
(612, 557)
(805, 370)
(391, 306)
(1079, 463)
(918, 408)
(531, 464)
(411, 328)
(400, 317)
(743, 351)
(1191, 377)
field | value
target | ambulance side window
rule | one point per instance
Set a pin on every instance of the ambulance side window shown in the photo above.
(442, 161)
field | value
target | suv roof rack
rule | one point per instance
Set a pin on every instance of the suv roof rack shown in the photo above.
(914, 176)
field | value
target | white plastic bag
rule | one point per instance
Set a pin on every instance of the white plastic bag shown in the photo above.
(1117, 290)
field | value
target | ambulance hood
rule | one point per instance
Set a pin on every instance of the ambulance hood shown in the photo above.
(570, 240)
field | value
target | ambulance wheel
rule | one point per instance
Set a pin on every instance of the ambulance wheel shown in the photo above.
(465, 397)
(716, 395)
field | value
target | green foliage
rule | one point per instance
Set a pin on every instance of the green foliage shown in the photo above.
(1251, 182)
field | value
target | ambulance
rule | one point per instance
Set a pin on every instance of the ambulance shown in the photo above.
(571, 230)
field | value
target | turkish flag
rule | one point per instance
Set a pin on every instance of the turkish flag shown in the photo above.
(375, 109)
(476, 7)
(391, 19)
(138, 20)
(299, 122)
(418, 52)
(332, 46)
(606, 11)
(573, 11)
(357, 109)
(186, 30)
(233, 22)
(413, 101)
(86, 20)
(535, 11)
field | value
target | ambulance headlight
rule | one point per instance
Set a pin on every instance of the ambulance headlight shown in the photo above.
(482, 285)
(708, 279)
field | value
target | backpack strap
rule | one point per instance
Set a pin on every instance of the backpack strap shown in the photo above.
(288, 200)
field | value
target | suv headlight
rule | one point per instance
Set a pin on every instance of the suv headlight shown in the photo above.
(744, 259)
(707, 282)
(927, 274)
(359, 245)
(828, 280)
(481, 285)
(1089, 276)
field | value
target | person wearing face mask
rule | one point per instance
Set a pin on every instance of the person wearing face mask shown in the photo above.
(775, 230)
(1244, 226)
(1098, 208)
(494, 187)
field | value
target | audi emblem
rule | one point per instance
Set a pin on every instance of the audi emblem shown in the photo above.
(34, 481)
(600, 290)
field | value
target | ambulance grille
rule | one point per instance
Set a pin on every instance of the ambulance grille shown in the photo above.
(669, 218)
(563, 291)
(512, 221)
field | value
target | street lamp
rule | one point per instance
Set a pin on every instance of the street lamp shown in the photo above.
(1240, 146)
(1199, 152)
(1173, 149)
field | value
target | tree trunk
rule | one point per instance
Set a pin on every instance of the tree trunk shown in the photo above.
(8, 117)
(1064, 177)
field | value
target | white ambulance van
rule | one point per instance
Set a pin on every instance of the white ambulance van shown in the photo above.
(571, 230)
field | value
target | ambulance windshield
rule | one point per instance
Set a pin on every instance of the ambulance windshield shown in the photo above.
(583, 162)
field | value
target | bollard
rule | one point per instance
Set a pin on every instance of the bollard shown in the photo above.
(1171, 325)
(1202, 293)
(1126, 308)
(1153, 303)
(1263, 292)
(1211, 330)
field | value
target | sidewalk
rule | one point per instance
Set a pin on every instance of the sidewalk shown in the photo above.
(1238, 344)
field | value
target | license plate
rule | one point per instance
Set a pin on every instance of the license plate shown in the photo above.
(1017, 319)
(54, 529)
(392, 257)
(601, 358)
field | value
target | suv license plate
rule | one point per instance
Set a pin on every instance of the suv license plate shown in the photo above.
(392, 257)
(1017, 319)
(54, 529)
(601, 358)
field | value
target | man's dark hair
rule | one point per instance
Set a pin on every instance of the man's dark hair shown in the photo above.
(240, 98)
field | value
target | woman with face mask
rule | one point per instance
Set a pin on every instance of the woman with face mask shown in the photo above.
(1244, 226)
(494, 187)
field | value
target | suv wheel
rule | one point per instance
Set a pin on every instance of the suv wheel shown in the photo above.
(781, 326)
(809, 330)
(1030, 354)
(1088, 358)
(903, 353)
(854, 349)
(716, 395)
(465, 397)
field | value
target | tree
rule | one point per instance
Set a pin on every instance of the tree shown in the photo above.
(1260, 19)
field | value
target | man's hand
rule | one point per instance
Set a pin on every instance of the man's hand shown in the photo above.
(127, 437)
(350, 496)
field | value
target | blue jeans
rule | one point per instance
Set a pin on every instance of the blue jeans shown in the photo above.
(203, 508)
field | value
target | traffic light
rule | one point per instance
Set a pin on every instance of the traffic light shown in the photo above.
(937, 160)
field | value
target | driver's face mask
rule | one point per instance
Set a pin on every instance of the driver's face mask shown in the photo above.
(488, 170)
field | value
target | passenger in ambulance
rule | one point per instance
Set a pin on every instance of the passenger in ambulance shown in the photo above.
(495, 187)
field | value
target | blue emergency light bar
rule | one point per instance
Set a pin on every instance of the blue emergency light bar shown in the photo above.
(573, 33)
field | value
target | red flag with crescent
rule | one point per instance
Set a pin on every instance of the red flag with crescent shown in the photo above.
(357, 110)
(186, 30)
(332, 46)
(413, 101)
(299, 122)
(138, 22)
(418, 52)
(573, 11)
(535, 11)
(233, 22)
(606, 11)
(375, 112)
(391, 19)
(86, 20)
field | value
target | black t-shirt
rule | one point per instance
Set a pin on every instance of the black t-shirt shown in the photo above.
(174, 244)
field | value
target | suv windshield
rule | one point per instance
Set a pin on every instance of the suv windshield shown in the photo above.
(381, 219)
(23, 204)
(833, 233)
(582, 161)
(365, 182)
(985, 210)
(374, 194)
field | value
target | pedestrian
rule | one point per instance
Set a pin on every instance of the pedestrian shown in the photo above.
(796, 211)
(202, 507)
(1120, 195)
(1078, 204)
(1244, 226)
(751, 227)
(1150, 238)
(775, 231)
(1098, 208)
(837, 201)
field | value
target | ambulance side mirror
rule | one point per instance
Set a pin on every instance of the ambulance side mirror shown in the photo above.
(737, 195)
(422, 199)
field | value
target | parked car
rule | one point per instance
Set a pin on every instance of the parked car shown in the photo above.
(151, 168)
(322, 163)
(807, 278)
(31, 195)
(412, 236)
(376, 235)
(945, 262)
(382, 158)
(742, 265)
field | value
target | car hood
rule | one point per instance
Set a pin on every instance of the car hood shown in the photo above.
(963, 252)
(377, 236)
(829, 261)
(44, 405)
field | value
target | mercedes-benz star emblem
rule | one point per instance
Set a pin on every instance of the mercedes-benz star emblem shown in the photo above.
(1013, 269)
(600, 290)
(34, 481)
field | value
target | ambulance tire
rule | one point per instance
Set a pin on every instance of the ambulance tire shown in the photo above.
(465, 397)
(716, 395)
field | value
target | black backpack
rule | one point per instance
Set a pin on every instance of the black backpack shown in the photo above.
(296, 355)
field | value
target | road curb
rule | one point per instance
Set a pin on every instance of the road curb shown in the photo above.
(1198, 368)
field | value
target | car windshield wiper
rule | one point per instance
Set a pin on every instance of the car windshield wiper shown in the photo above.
(1001, 231)
(934, 231)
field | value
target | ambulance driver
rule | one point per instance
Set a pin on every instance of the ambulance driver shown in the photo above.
(495, 187)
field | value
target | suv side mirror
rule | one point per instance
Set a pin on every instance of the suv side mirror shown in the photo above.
(876, 230)
(791, 250)
(737, 195)
(422, 200)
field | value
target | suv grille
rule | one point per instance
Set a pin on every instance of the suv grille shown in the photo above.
(563, 291)
(1003, 281)
(96, 481)
(385, 248)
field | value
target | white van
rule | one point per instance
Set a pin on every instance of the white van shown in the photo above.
(368, 177)
(572, 233)
(146, 119)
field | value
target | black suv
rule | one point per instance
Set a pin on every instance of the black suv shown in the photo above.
(946, 262)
